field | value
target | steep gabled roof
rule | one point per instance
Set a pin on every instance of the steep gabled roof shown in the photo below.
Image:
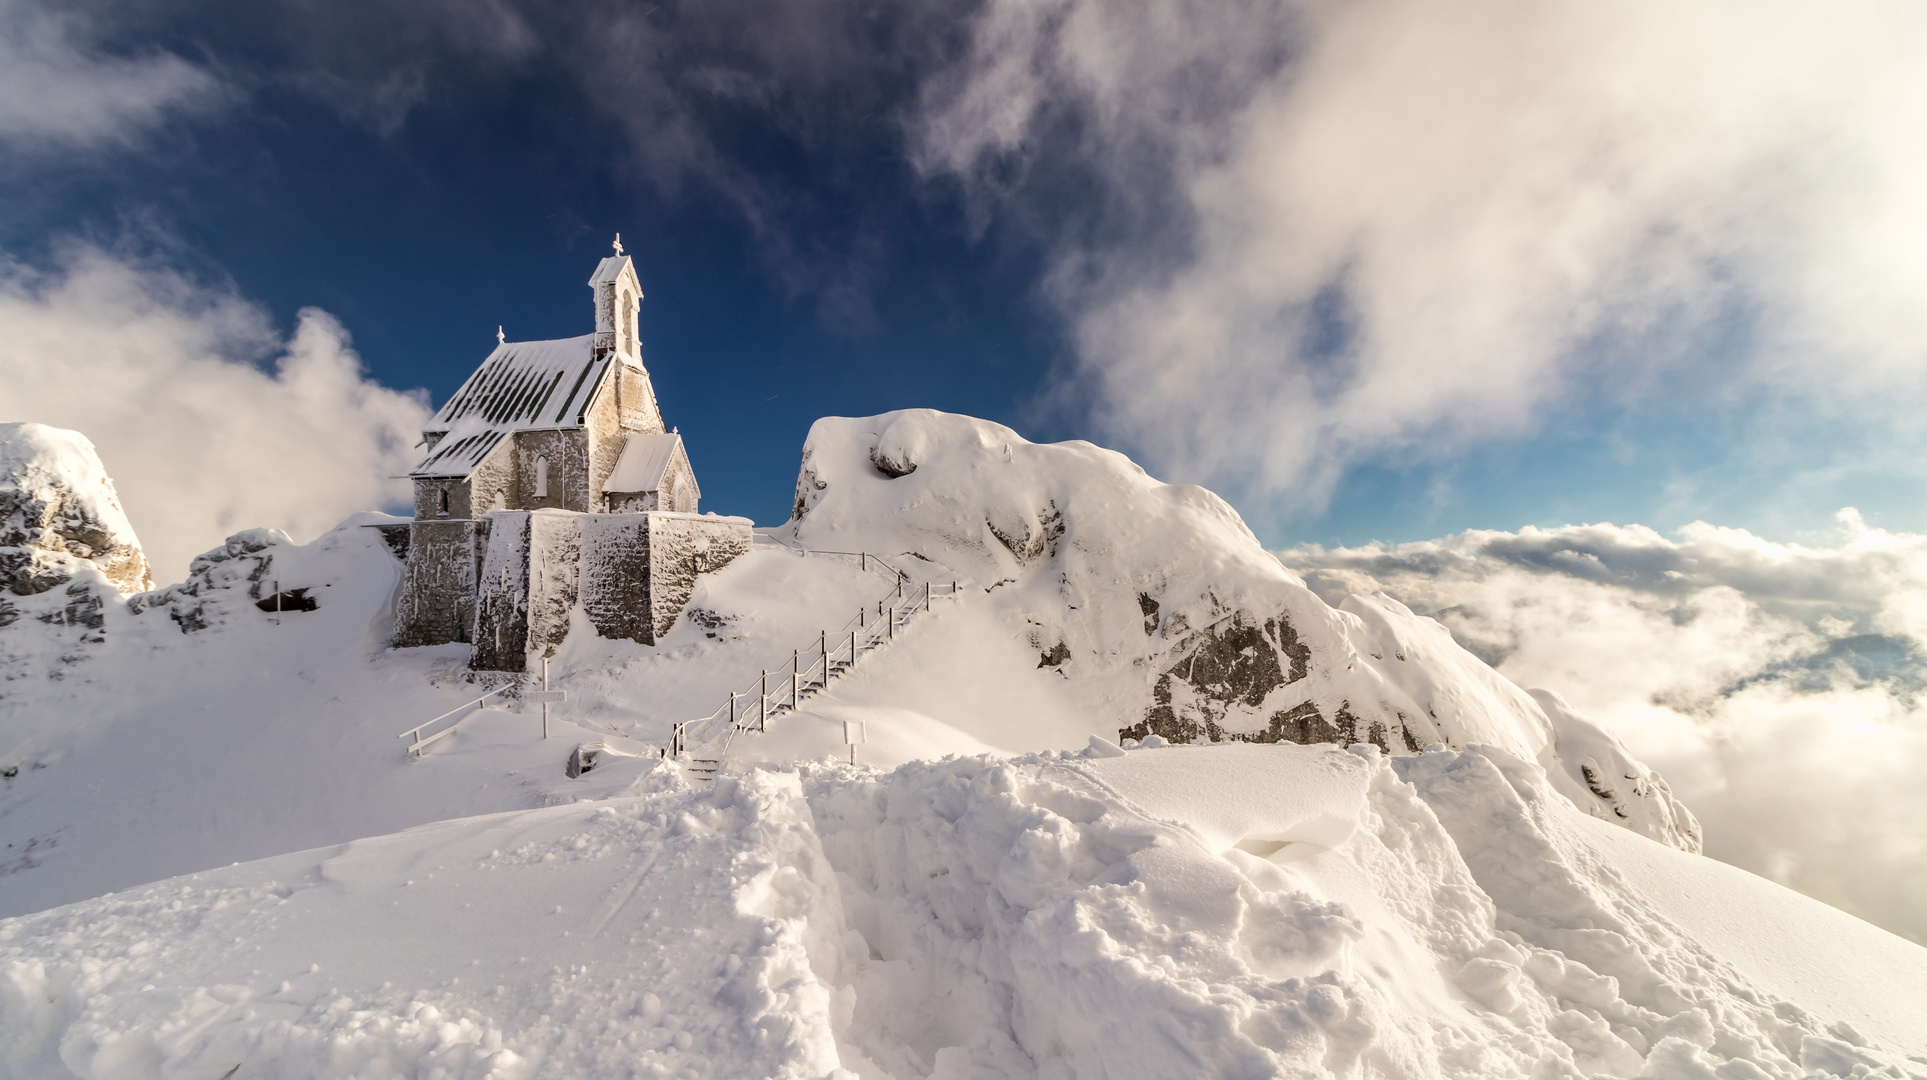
(522, 384)
(644, 461)
(610, 269)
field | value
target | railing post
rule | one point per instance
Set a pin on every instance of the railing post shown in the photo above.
(732, 710)
(795, 670)
(762, 702)
(823, 646)
(853, 648)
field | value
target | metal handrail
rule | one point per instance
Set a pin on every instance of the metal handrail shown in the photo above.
(416, 748)
(813, 679)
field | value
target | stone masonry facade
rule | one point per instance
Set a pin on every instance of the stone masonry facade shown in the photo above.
(522, 516)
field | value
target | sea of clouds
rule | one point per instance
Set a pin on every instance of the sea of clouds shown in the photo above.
(1779, 687)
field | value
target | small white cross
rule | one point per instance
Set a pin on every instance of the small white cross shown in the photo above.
(618, 243)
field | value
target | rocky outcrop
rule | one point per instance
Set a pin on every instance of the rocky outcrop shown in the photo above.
(59, 514)
(1156, 608)
(220, 583)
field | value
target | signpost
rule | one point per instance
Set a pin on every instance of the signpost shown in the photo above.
(853, 734)
(545, 696)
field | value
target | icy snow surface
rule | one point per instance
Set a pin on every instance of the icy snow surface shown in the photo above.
(1040, 903)
(975, 917)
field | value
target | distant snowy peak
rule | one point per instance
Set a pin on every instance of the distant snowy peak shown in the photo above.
(1157, 604)
(59, 513)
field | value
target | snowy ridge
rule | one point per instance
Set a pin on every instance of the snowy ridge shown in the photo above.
(1156, 605)
(971, 901)
(1312, 911)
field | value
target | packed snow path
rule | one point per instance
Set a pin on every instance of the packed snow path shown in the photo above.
(1235, 911)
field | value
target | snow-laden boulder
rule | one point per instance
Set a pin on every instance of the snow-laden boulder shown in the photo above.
(221, 582)
(1159, 607)
(59, 514)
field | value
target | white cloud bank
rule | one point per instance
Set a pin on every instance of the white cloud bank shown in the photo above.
(1309, 234)
(1781, 688)
(200, 435)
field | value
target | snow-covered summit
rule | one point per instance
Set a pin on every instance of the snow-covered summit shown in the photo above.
(1159, 607)
(59, 514)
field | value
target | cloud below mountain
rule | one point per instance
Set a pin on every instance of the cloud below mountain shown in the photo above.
(1779, 687)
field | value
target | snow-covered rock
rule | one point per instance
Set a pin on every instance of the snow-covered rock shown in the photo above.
(1157, 605)
(59, 513)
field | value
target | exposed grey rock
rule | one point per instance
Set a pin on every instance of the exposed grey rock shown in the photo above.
(219, 582)
(59, 512)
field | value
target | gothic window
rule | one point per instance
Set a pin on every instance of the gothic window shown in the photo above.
(541, 478)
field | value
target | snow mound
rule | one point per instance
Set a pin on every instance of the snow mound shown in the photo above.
(1322, 911)
(59, 513)
(1157, 609)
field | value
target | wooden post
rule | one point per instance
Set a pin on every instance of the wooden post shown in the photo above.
(762, 702)
(823, 646)
(853, 648)
(795, 657)
(732, 710)
(545, 705)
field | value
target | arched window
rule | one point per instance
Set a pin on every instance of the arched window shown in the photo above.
(541, 478)
(444, 500)
(628, 322)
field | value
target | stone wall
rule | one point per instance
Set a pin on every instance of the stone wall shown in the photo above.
(555, 575)
(615, 576)
(624, 404)
(428, 499)
(567, 452)
(682, 546)
(437, 604)
(492, 483)
(630, 573)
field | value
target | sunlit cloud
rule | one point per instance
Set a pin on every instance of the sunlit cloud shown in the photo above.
(1781, 688)
(206, 419)
(1311, 235)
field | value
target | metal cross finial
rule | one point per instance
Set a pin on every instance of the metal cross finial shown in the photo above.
(618, 243)
(500, 337)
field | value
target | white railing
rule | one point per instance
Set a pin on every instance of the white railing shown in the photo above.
(811, 668)
(421, 743)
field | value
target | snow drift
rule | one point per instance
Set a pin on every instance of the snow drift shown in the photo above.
(1395, 864)
(1210, 911)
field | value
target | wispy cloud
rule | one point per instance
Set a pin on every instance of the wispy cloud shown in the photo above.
(1781, 688)
(59, 89)
(206, 419)
(1313, 234)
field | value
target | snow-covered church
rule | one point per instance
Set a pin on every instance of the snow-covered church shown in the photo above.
(549, 481)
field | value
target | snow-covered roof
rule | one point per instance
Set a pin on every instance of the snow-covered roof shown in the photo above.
(644, 462)
(609, 269)
(522, 384)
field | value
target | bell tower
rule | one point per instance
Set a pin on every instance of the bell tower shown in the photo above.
(618, 299)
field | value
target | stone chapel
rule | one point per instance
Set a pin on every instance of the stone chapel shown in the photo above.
(549, 482)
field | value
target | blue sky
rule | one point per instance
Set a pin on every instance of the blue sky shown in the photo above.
(1209, 241)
